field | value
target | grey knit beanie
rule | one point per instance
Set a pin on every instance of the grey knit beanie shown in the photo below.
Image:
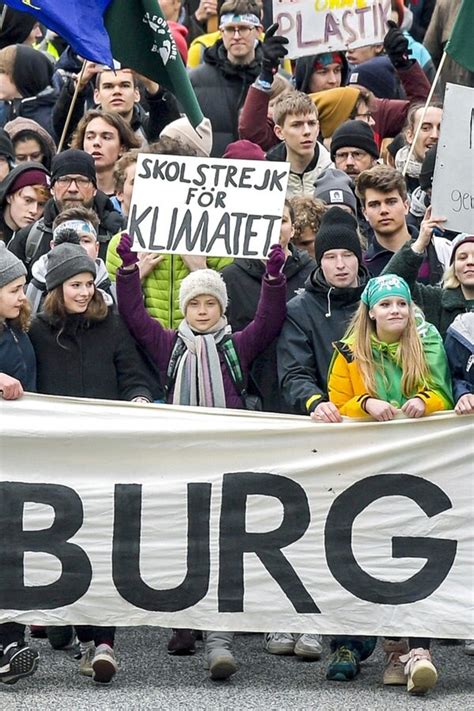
(10, 266)
(202, 281)
(65, 261)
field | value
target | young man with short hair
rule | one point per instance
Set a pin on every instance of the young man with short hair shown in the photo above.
(117, 91)
(383, 195)
(297, 126)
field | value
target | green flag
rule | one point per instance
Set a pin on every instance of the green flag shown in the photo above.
(141, 40)
(460, 46)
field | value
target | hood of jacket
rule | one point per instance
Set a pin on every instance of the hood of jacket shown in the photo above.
(317, 284)
(304, 70)
(296, 261)
(278, 153)
(462, 329)
(216, 56)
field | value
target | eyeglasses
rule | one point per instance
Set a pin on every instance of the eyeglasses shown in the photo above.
(81, 181)
(242, 30)
(344, 155)
(365, 116)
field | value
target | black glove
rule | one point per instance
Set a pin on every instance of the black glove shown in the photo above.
(274, 51)
(396, 46)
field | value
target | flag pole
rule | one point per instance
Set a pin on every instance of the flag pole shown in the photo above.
(425, 109)
(71, 107)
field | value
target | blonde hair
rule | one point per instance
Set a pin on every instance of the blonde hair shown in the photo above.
(409, 356)
(450, 280)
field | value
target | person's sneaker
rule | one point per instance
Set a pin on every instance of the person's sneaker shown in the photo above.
(368, 647)
(469, 647)
(182, 642)
(221, 664)
(309, 646)
(420, 671)
(62, 637)
(344, 665)
(17, 661)
(38, 631)
(394, 671)
(104, 665)
(279, 643)
(87, 657)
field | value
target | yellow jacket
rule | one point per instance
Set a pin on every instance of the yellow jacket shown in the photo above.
(348, 392)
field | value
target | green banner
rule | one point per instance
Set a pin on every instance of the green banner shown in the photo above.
(141, 40)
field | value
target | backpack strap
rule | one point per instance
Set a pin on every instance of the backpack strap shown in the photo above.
(176, 355)
(33, 241)
(232, 361)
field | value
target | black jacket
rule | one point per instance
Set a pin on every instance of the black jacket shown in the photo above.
(221, 88)
(95, 359)
(377, 257)
(316, 318)
(243, 279)
(111, 222)
(17, 358)
(39, 108)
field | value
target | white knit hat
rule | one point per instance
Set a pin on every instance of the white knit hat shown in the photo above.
(199, 138)
(202, 281)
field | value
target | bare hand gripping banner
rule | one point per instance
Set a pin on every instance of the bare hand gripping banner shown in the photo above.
(121, 514)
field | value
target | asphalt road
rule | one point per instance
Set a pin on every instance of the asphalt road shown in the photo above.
(150, 679)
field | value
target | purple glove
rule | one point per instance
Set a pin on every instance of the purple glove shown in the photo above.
(276, 261)
(124, 250)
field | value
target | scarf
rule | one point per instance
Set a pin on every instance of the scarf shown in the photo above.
(414, 166)
(199, 375)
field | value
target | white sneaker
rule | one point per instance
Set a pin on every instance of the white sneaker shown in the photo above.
(87, 657)
(104, 664)
(420, 671)
(469, 647)
(279, 643)
(309, 646)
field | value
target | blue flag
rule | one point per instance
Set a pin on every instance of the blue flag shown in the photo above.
(79, 22)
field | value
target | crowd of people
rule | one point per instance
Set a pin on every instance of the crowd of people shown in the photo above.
(364, 308)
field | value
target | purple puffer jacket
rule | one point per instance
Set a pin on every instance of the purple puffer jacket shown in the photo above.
(159, 341)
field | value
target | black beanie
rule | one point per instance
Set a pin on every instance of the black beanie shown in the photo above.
(15, 26)
(64, 262)
(356, 134)
(427, 168)
(338, 230)
(73, 162)
(32, 71)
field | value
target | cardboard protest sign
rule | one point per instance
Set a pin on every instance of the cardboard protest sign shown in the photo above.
(231, 520)
(207, 206)
(316, 26)
(453, 180)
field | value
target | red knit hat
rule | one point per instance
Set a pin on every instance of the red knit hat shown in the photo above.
(29, 177)
(180, 32)
(246, 150)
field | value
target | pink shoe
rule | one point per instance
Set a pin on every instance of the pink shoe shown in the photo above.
(420, 671)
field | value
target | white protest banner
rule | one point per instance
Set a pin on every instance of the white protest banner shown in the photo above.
(317, 26)
(120, 514)
(453, 179)
(207, 206)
